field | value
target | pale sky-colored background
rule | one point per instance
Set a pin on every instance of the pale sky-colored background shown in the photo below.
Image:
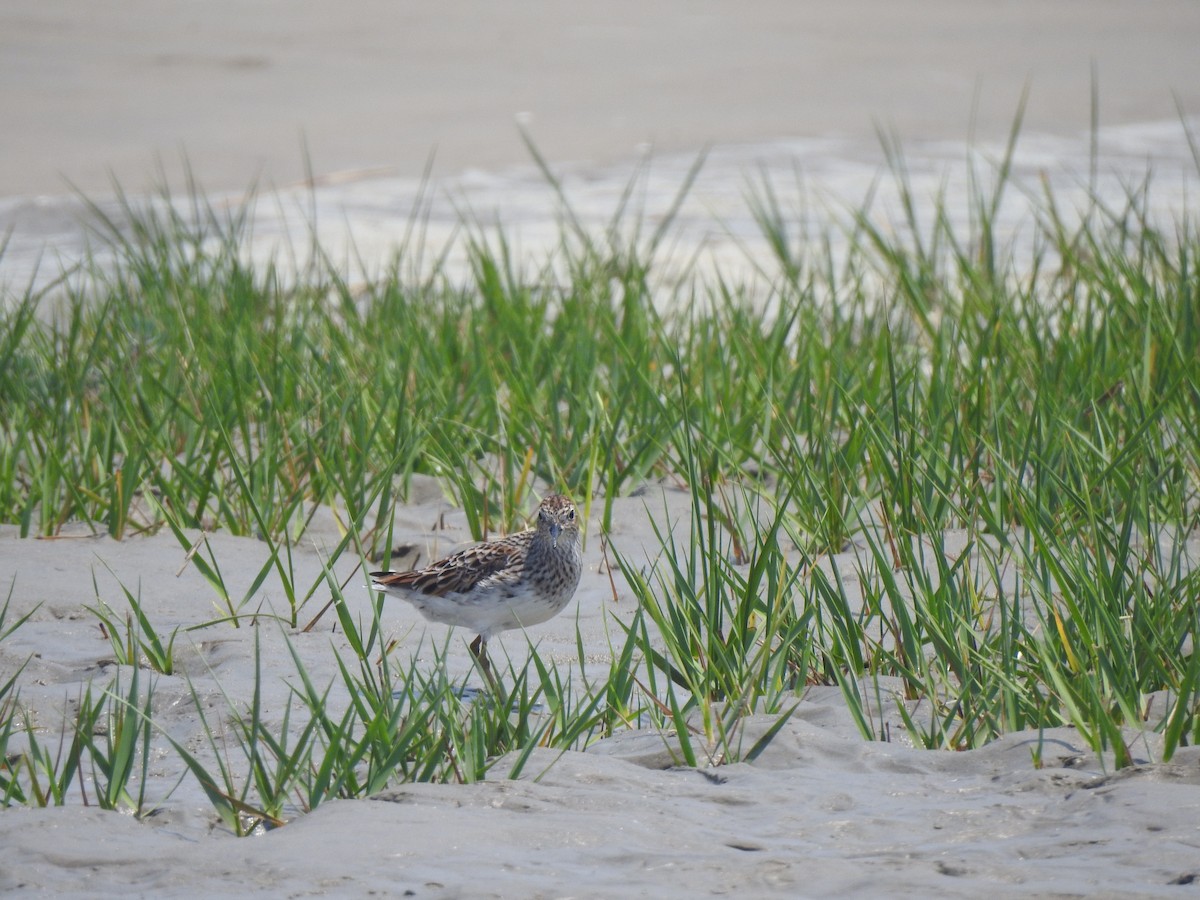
(89, 89)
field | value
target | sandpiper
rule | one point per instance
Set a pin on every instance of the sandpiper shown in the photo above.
(514, 582)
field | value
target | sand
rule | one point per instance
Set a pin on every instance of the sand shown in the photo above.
(87, 89)
(373, 90)
(820, 812)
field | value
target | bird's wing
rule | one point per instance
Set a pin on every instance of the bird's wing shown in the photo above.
(460, 572)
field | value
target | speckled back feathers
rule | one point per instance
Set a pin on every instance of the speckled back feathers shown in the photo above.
(519, 580)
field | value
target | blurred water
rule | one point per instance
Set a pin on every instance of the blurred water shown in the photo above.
(360, 220)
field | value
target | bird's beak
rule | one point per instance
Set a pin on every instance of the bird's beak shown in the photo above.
(555, 531)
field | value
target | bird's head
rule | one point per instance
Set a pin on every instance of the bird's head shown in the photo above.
(557, 518)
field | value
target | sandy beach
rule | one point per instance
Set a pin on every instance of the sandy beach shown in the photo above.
(373, 93)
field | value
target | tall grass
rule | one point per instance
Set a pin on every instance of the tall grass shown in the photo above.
(929, 459)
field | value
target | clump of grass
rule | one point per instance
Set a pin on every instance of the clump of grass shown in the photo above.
(108, 735)
(721, 601)
(120, 745)
(133, 643)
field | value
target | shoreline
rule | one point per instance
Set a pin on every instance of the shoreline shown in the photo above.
(362, 216)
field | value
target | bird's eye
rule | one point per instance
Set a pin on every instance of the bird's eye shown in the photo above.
(570, 515)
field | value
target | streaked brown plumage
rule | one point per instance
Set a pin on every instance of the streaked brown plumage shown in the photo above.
(514, 582)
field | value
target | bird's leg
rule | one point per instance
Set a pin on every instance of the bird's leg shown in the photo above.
(479, 651)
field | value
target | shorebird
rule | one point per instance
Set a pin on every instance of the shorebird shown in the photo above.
(514, 582)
